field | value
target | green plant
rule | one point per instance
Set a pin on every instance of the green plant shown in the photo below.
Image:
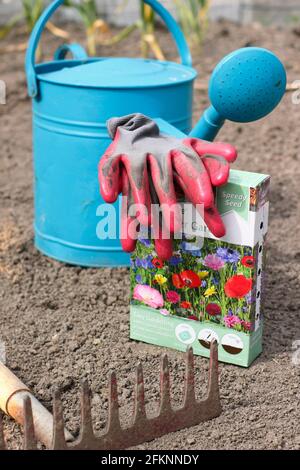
(32, 10)
(193, 17)
(97, 30)
(147, 26)
(10, 25)
(94, 25)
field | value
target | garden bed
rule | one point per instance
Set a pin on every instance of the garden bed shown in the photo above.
(61, 324)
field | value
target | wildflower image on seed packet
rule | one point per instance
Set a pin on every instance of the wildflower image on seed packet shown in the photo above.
(214, 283)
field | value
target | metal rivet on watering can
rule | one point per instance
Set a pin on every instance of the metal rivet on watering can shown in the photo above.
(72, 100)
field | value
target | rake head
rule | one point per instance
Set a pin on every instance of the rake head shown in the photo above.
(143, 428)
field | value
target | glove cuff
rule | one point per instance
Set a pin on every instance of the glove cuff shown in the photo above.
(140, 125)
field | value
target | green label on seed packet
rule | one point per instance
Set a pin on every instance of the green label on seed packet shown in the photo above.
(233, 197)
(150, 326)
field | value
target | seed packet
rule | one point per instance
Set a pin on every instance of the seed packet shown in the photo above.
(210, 288)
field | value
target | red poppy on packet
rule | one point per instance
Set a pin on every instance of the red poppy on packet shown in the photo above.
(248, 262)
(238, 286)
(186, 279)
(186, 305)
(157, 263)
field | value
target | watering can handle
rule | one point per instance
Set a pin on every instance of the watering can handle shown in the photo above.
(170, 22)
(77, 51)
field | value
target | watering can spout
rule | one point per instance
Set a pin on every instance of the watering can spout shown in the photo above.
(209, 125)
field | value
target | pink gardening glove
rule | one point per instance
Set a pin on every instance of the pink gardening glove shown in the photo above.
(143, 165)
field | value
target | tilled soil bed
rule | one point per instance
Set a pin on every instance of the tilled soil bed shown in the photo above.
(61, 324)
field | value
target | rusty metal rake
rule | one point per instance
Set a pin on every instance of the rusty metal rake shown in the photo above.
(143, 428)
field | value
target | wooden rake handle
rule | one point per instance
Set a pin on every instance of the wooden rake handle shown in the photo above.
(12, 395)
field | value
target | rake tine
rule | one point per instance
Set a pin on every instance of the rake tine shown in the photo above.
(113, 415)
(87, 431)
(165, 395)
(140, 411)
(190, 398)
(29, 434)
(59, 442)
(2, 441)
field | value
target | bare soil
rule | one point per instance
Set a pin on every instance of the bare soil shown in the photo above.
(61, 324)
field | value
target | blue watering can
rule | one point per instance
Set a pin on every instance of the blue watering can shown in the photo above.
(73, 99)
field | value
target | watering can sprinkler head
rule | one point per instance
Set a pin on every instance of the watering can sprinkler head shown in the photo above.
(245, 86)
